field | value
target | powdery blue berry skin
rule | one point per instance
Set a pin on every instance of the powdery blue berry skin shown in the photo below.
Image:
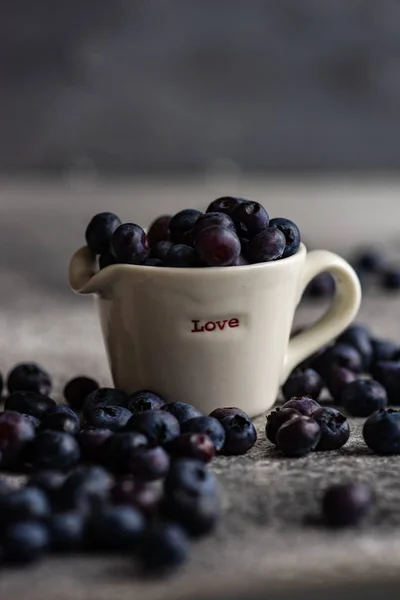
(25, 542)
(337, 379)
(102, 397)
(208, 425)
(182, 411)
(50, 482)
(160, 250)
(192, 445)
(381, 432)
(29, 377)
(191, 476)
(363, 397)
(182, 222)
(110, 417)
(67, 531)
(298, 436)
(144, 400)
(213, 218)
(129, 244)
(388, 374)
(77, 389)
(225, 204)
(61, 421)
(358, 336)
(182, 256)
(303, 383)
(27, 503)
(370, 260)
(240, 435)
(251, 216)
(91, 441)
(322, 286)
(266, 246)
(304, 405)
(291, 233)
(197, 514)
(115, 528)
(119, 451)
(16, 432)
(29, 403)
(86, 489)
(384, 350)
(150, 464)
(142, 495)
(343, 355)
(276, 419)
(346, 504)
(335, 428)
(159, 230)
(100, 230)
(217, 246)
(158, 426)
(54, 450)
(163, 546)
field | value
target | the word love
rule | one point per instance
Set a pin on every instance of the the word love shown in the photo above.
(199, 326)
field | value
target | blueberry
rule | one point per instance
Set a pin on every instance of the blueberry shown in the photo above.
(217, 246)
(240, 435)
(252, 217)
(106, 259)
(383, 350)
(363, 397)
(158, 426)
(61, 409)
(24, 504)
(159, 230)
(209, 426)
(49, 482)
(100, 230)
(291, 233)
(129, 244)
(115, 528)
(225, 204)
(298, 436)
(240, 261)
(34, 421)
(154, 262)
(67, 531)
(387, 373)
(103, 397)
(190, 476)
(29, 403)
(346, 504)
(25, 542)
(227, 411)
(183, 221)
(163, 546)
(391, 279)
(192, 445)
(197, 513)
(160, 250)
(359, 337)
(150, 464)
(15, 433)
(182, 411)
(182, 256)
(54, 450)
(276, 419)
(322, 286)
(91, 441)
(266, 246)
(188, 238)
(78, 389)
(213, 218)
(144, 400)
(121, 449)
(61, 421)
(303, 383)
(335, 428)
(304, 405)
(29, 377)
(337, 379)
(381, 431)
(86, 489)
(111, 417)
(343, 355)
(370, 260)
(141, 495)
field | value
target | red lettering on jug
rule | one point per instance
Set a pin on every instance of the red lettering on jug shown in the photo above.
(221, 324)
(210, 326)
(233, 323)
(196, 330)
(198, 327)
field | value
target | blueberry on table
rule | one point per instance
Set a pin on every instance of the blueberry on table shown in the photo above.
(291, 233)
(61, 409)
(150, 464)
(100, 230)
(217, 246)
(363, 397)
(191, 476)
(225, 204)
(158, 426)
(29, 377)
(86, 488)
(391, 279)
(60, 421)
(197, 513)
(208, 425)
(141, 495)
(266, 246)
(298, 436)
(120, 450)
(192, 445)
(182, 411)
(384, 350)
(104, 397)
(25, 542)
(182, 222)
(276, 419)
(346, 504)
(213, 218)
(54, 450)
(335, 428)
(160, 250)
(322, 286)
(162, 547)
(303, 383)
(387, 373)
(48, 481)
(106, 259)
(182, 256)
(304, 405)
(91, 441)
(370, 260)
(129, 244)
(111, 417)
(115, 528)
(15, 433)
(66, 530)
(337, 379)
(251, 216)
(78, 389)
(29, 403)
(343, 355)
(144, 400)
(23, 505)
(358, 336)
(240, 435)
(381, 431)
(159, 230)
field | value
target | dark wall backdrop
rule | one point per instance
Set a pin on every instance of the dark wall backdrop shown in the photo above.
(180, 84)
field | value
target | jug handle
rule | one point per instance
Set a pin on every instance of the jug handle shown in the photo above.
(82, 271)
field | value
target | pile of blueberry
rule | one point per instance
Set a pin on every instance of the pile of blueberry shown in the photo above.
(232, 232)
(107, 471)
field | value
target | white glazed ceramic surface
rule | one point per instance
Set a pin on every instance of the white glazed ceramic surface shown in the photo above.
(212, 337)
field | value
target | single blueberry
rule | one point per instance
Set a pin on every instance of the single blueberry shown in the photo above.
(303, 383)
(225, 204)
(240, 261)
(322, 286)
(106, 259)
(213, 218)
(387, 373)
(188, 238)
(266, 246)
(115, 528)
(119, 451)
(150, 464)
(240, 435)
(198, 513)
(391, 279)
(158, 426)
(383, 350)
(208, 425)
(182, 256)
(276, 419)
(291, 233)
(162, 547)
(67, 531)
(298, 436)
(346, 504)
(34, 421)
(61, 409)
(61, 421)
(227, 411)
(160, 250)
(54, 450)
(154, 262)
(100, 230)
(337, 379)
(23, 505)
(49, 482)
(363, 397)
(29, 377)
(191, 476)
(358, 336)
(141, 495)
(335, 428)
(15, 433)
(104, 397)
(29, 403)
(181, 222)
(381, 431)
(159, 230)
(304, 405)
(86, 488)
(182, 411)
(370, 260)
(343, 355)
(192, 445)
(144, 400)
(251, 216)
(91, 441)
(107, 417)
(25, 542)
(217, 246)
(129, 244)
(78, 389)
